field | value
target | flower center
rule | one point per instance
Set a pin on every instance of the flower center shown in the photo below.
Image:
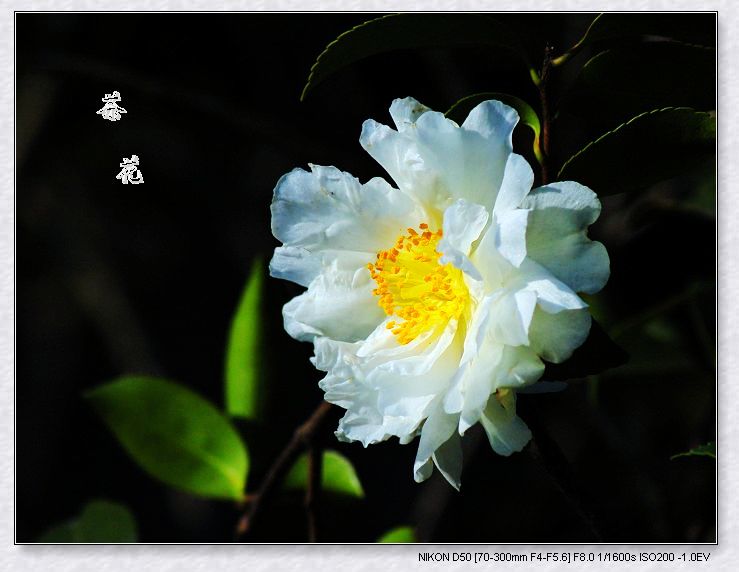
(413, 286)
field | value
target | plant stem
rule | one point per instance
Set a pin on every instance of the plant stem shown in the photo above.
(545, 116)
(301, 438)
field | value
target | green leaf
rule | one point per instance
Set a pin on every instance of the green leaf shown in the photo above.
(410, 31)
(399, 534)
(100, 521)
(337, 475)
(597, 354)
(174, 435)
(243, 371)
(459, 111)
(707, 450)
(623, 82)
(611, 26)
(649, 148)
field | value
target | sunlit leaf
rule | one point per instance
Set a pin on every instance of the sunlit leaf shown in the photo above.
(613, 26)
(459, 111)
(620, 83)
(649, 148)
(100, 521)
(398, 534)
(244, 350)
(337, 475)
(707, 450)
(410, 31)
(174, 434)
(597, 354)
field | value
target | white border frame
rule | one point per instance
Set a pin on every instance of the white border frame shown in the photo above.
(372, 557)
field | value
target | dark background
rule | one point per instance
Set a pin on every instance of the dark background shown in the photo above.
(116, 279)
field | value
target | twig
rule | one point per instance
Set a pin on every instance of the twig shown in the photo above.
(300, 439)
(313, 490)
(545, 117)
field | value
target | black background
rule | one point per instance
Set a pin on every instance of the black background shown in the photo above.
(115, 279)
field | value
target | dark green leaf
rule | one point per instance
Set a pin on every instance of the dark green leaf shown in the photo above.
(620, 83)
(707, 450)
(400, 534)
(409, 31)
(459, 111)
(611, 27)
(649, 148)
(597, 354)
(337, 475)
(175, 435)
(244, 350)
(100, 521)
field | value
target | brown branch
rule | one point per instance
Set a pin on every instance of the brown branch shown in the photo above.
(313, 490)
(300, 439)
(546, 122)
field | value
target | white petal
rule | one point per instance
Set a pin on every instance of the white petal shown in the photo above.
(490, 263)
(458, 260)
(408, 383)
(382, 351)
(329, 210)
(423, 471)
(463, 223)
(470, 161)
(346, 386)
(301, 266)
(553, 296)
(398, 154)
(511, 316)
(557, 235)
(506, 432)
(295, 264)
(519, 367)
(437, 429)
(405, 112)
(555, 336)
(486, 366)
(494, 121)
(517, 181)
(362, 420)
(387, 388)
(448, 459)
(475, 340)
(510, 235)
(438, 161)
(323, 309)
(478, 383)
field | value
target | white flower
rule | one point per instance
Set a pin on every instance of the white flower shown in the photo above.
(431, 303)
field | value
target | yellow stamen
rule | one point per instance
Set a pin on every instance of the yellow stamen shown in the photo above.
(415, 288)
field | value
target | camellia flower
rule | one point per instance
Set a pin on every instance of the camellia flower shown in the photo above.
(431, 303)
